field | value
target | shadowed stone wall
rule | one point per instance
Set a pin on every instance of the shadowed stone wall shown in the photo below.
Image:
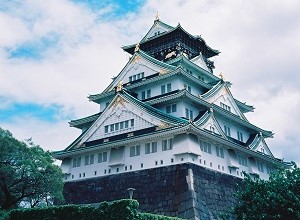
(174, 191)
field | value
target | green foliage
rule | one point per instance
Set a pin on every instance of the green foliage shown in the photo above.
(4, 215)
(117, 210)
(148, 216)
(27, 173)
(278, 198)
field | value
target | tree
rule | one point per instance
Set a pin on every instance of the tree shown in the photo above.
(276, 198)
(27, 174)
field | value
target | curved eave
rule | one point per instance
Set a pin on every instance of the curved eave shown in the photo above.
(213, 90)
(244, 107)
(179, 70)
(156, 22)
(153, 111)
(212, 52)
(164, 132)
(150, 59)
(182, 58)
(216, 108)
(79, 123)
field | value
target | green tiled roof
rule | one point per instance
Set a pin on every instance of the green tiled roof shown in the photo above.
(85, 120)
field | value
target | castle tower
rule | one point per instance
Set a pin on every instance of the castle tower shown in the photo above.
(169, 128)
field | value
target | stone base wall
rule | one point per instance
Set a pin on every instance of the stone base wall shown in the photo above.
(184, 190)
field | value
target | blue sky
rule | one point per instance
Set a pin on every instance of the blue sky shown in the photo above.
(53, 54)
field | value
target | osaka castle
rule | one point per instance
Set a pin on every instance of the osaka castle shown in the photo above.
(165, 111)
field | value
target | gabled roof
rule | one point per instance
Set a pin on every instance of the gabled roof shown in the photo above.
(183, 59)
(244, 107)
(215, 91)
(157, 24)
(138, 55)
(208, 119)
(124, 97)
(188, 127)
(198, 39)
(217, 109)
(82, 122)
(153, 78)
(259, 141)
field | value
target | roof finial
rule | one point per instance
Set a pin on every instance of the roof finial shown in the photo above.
(156, 17)
(137, 47)
(120, 86)
(222, 76)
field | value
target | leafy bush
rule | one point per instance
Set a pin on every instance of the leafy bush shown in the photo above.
(148, 216)
(121, 209)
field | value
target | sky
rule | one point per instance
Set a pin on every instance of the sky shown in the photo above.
(53, 54)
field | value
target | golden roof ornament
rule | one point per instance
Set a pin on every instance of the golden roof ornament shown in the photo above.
(120, 86)
(137, 47)
(156, 17)
(222, 76)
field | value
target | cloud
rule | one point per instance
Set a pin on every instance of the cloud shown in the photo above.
(259, 43)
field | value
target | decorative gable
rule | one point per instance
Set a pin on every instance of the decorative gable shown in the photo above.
(157, 29)
(221, 96)
(259, 144)
(139, 67)
(199, 61)
(209, 123)
(121, 116)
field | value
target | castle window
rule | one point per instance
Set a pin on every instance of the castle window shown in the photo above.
(150, 147)
(135, 151)
(143, 95)
(172, 160)
(95, 173)
(227, 130)
(89, 159)
(83, 174)
(132, 122)
(189, 89)
(136, 77)
(169, 87)
(167, 144)
(205, 147)
(243, 160)
(220, 151)
(189, 114)
(118, 126)
(171, 108)
(240, 136)
(117, 170)
(148, 93)
(142, 165)
(76, 162)
(224, 106)
(260, 166)
(161, 162)
(163, 89)
(269, 169)
(102, 157)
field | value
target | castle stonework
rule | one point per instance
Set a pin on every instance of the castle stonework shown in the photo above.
(164, 190)
(169, 128)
